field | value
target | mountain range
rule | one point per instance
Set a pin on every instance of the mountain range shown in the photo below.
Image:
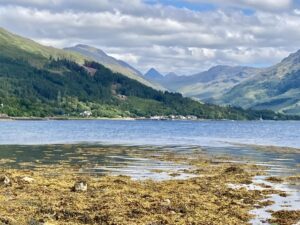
(274, 88)
(41, 81)
(115, 65)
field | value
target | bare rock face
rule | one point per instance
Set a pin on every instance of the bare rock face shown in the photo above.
(5, 181)
(80, 186)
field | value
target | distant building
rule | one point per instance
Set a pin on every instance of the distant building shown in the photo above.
(86, 114)
(122, 97)
(191, 117)
(4, 116)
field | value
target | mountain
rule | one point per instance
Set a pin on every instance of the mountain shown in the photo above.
(41, 81)
(115, 65)
(215, 82)
(18, 47)
(276, 88)
(172, 75)
(209, 84)
(154, 75)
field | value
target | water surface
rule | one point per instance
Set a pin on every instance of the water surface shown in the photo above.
(202, 133)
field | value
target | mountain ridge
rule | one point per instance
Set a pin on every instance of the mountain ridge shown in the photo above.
(110, 62)
(39, 81)
(272, 88)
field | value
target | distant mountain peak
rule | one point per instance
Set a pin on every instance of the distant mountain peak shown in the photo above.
(292, 58)
(153, 70)
(153, 74)
(89, 48)
(110, 62)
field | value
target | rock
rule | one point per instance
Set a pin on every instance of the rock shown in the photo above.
(234, 170)
(5, 181)
(80, 186)
(27, 180)
(173, 213)
(167, 202)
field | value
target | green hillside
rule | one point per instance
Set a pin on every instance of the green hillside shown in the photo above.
(113, 64)
(276, 88)
(17, 47)
(40, 81)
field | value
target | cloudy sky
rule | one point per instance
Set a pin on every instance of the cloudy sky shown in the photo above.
(183, 36)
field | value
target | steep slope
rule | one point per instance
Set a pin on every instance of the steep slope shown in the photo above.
(112, 63)
(276, 88)
(36, 80)
(206, 85)
(18, 47)
(64, 88)
(215, 82)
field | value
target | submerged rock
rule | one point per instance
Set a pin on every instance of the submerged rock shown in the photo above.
(80, 186)
(5, 181)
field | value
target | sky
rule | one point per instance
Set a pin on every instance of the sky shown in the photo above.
(182, 36)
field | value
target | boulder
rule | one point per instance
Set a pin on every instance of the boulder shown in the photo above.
(27, 180)
(5, 181)
(80, 186)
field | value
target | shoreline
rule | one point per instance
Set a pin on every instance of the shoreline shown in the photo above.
(126, 201)
(120, 119)
(211, 194)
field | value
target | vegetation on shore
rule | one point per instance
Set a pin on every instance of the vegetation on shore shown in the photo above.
(58, 194)
(47, 196)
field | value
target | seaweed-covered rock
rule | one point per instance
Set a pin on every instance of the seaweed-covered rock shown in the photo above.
(274, 179)
(285, 217)
(234, 169)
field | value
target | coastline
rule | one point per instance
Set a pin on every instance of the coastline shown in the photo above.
(220, 191)
(95, 118)
(116, 119)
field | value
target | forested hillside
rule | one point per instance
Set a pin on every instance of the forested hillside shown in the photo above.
(64, 88)
(42, 81)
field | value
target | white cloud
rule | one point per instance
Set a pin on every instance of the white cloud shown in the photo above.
(255, 4)
(165, 37)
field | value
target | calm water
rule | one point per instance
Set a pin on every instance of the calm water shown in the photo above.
(93, 148)
(203, 133)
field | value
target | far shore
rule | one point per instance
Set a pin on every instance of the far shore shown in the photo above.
(2, 119)
(95, 118)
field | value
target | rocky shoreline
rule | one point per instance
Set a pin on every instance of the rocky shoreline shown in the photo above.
(62, 195)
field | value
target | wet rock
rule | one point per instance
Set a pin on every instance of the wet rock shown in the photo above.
(234, 169)
(5, 181)
(34, 222)
(274, 179)
(27, 180)
(39, 222)
(167, 202)
(80, 186)
(285, 217)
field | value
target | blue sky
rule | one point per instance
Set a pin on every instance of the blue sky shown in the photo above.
(182, 36)
(184, 4)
